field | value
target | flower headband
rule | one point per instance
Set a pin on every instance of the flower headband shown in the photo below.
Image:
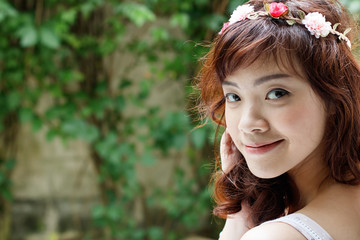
(315, 22)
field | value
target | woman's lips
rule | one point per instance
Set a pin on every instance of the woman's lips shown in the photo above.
(261, 148)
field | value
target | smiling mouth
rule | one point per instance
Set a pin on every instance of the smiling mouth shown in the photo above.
(262, 148)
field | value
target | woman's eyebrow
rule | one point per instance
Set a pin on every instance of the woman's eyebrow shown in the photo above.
(269, 78)
(261, 80)
(230, 83)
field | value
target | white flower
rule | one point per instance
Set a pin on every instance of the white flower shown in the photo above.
(240, 13)
(317, 25)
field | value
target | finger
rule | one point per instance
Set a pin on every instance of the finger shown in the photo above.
(226, 152)
(224, 146)
(225, 141)
(228, 144)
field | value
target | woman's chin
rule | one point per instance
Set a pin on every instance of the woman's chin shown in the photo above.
(267, 174)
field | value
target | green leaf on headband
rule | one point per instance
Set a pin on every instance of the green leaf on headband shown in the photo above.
(267, 7)
(253, 17)
(335, 26)
(347, 31)
(291, 22)
(301, 14)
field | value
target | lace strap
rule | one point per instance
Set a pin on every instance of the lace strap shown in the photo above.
(305, 225)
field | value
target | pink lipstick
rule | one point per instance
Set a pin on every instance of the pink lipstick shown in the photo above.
(261, 148)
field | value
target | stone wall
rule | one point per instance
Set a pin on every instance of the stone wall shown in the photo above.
(55, 184)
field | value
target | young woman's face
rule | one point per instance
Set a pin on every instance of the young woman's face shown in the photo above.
(274, 118)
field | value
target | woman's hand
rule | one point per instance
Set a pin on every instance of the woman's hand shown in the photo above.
(229, 154)
(239, 223)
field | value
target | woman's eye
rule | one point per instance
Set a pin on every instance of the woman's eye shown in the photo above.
(276, 94)
(231, 97)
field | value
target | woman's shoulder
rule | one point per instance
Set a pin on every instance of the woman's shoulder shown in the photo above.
(273, 231)
(340, 204)
(339, 201)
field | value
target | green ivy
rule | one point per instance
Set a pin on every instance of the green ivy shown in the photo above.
(53, 51)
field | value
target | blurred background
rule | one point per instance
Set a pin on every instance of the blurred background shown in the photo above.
(98, 136)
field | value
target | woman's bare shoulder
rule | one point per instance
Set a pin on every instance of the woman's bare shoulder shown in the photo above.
(273, 231)
(339, 204)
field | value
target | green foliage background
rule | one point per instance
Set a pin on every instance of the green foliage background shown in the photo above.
(56, 48)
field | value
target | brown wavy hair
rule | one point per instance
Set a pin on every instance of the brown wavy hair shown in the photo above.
(332, 71)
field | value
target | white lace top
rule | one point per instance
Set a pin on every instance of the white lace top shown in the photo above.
(305, 225)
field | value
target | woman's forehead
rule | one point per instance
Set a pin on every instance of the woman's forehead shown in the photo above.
(282, 62)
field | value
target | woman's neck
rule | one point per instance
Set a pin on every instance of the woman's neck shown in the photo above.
(311, 177)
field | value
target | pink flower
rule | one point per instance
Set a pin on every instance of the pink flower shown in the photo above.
(317, 25)
(277, 9)
(224, 27)
(240, 13)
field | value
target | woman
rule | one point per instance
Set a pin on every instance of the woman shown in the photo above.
(283, 81)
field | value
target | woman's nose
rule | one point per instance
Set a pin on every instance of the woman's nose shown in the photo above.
(252, 120)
